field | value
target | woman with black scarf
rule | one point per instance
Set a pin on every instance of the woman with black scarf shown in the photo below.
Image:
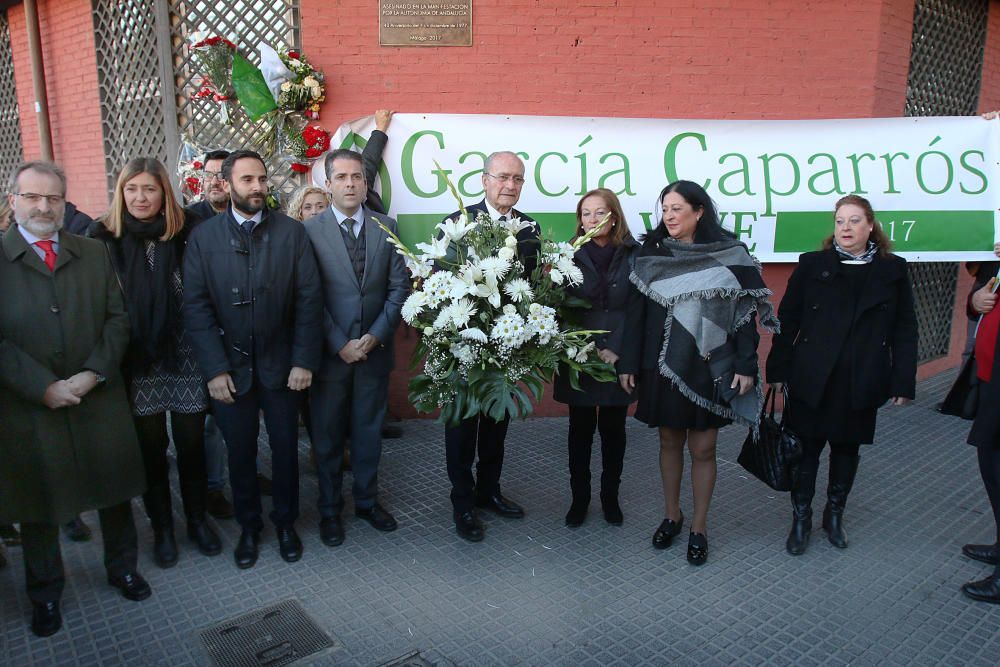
(145, 233)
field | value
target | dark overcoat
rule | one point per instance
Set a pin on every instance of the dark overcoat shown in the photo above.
(58, 463)
(612, 317)
(252, 299)
(819, 323)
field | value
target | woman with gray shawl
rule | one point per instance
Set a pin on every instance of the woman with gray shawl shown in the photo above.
(698, 360)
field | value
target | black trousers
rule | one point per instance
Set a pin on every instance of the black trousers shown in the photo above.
(462, 442)
(583, 422)
(189, 443)
(989, 469)
(43, 565)
(813, 447)
(240, 426)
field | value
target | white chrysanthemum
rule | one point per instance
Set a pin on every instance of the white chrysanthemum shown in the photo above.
(438, 288)
(475, 334)
(455, 230)
(413, 306)
(494, 267)
(509, 331)
(461, 312)
(573, 274)
(436, 249)
(584, 352)
(519, 290)
(556, 276)
(541, 322)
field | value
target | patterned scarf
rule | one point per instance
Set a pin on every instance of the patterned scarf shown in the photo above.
(870, 251)
(709, 291)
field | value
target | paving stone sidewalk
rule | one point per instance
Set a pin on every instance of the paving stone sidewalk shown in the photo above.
(537, 593)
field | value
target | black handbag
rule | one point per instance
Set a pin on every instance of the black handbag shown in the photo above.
(963, 397)
(773, 456)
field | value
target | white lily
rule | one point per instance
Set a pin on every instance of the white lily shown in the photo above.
(489, 290)
(456, 229)
(556, 276)
(436, 249)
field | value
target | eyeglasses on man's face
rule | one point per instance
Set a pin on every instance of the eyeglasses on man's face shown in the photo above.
(507, 178)
(35, 198)
(212, 175)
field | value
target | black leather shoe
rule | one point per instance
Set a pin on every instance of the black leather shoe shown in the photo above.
(697, 549)
(246, 551)
(331, 531)
(289, 544)
(577, 514)
(164, 548)
(984, 590)
(377, 517)
(217, 505)
(505, 507)
(77, 530)
(469, 527)
(668, 530)
(204, 537)
(984, 553)
(612, 511)
(132, 586)
(45, 619)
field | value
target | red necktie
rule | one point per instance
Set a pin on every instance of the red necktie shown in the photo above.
(50, 255)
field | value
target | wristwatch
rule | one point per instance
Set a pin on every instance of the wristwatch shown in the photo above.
(101, 380)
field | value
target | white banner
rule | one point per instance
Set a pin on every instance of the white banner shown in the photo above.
(934, 182)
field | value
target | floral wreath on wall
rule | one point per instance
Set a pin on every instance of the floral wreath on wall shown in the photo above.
(286, 92)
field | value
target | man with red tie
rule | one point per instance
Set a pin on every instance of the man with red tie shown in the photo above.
(66, 437)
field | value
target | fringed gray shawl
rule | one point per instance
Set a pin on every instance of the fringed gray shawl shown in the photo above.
(709, 291)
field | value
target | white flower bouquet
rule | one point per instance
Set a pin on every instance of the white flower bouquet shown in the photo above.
(492, 336)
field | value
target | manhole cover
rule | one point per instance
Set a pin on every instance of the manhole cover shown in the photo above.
(275, 635)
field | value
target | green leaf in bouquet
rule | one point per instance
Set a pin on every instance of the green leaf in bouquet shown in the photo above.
(574, 377)
(251, 89)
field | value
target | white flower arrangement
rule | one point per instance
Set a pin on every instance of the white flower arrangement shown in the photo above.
(492, 333)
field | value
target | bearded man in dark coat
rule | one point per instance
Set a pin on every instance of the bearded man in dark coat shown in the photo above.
(66, 437)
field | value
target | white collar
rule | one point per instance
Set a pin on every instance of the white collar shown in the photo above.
(32, 239)
(240, 218)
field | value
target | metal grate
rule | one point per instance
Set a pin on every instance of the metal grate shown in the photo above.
(247, 23)
(946, 64)
(11, 148)
(276, 635)
(130, 83)
(946, 58)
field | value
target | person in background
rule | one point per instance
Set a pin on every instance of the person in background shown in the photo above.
(606, 262)
(698, 366)
(67, 442)
(307, 201)
(6, 216)
(145, 232)
(848, 346)
(76, 221)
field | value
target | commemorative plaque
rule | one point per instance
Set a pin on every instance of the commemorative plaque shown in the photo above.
(425, 22)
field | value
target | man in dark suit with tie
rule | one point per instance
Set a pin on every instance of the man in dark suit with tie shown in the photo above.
(364, 284)
(503, 178)
(253, 312)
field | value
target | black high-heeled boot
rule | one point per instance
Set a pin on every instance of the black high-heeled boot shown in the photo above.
(843, 469)
(802, 496)
(157, 501)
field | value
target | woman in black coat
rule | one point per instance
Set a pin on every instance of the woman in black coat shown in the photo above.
(848, 344)
(606, 262)
(697, 359)
(145, 233)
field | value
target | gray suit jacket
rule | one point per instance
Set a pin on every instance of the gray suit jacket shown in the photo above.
(351, 309)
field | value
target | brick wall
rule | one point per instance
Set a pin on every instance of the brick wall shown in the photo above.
(74, 102)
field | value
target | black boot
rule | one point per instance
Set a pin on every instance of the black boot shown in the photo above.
(843, 468)
(577, 513)
(157, 501)
(194, 495)
(802, 496)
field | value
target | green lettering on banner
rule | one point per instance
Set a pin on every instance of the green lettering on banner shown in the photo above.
(910, 231)
(420, 227)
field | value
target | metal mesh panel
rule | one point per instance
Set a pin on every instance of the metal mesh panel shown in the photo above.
(11, 152)
(128, 76)
(946, 64)
(946, 61)
(247, 23)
